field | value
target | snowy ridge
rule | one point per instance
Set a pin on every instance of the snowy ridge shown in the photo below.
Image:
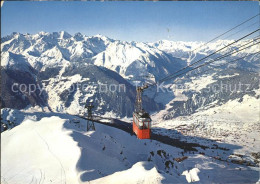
(13, 61)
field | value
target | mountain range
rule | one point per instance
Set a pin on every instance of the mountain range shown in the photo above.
(59, 62)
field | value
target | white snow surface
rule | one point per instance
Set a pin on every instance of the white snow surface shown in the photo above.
(31, 154)
(53, 150)
(192, 175)
(50, 148)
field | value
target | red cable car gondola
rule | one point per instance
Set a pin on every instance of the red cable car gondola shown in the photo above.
(141, 119)
(142, 125)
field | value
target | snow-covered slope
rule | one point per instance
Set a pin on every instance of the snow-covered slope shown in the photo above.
(58, 151)
(69, 90)
(235, 122)
(50, 148)
(15, 62)
(193, 92)
(37, 157)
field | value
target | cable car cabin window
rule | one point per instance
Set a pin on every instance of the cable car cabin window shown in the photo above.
(146, 125)
(140, 123)
(135, 120)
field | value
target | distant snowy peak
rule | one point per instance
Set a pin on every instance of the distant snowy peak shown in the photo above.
(167, 44)
(64, 35)
(78, 37)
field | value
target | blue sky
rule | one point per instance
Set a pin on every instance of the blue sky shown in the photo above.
(130, 21)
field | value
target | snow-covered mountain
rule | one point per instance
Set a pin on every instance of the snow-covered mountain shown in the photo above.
(54, 49)
(58, 61)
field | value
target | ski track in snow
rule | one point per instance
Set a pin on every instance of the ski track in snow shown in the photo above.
(55, 156)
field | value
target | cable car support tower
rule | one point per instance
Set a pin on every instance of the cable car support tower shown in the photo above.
(90, 122)
(138, 102)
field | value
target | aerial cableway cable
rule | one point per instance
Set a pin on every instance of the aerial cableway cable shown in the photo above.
(253, 40)
(207, 63)
(188, 66)
(257, 22)
(226, 32)
(252, 54)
